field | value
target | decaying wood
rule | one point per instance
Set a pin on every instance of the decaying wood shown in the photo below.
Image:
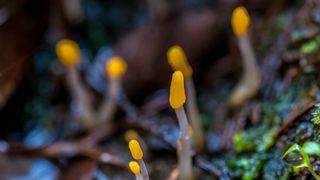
(20, 36)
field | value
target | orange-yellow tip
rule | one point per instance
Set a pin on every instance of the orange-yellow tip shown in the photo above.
(178, 61)
(130, 135)
(116, 67)
(134, 167)
(177, 94)
(135, 150)
(240, 21)
(68, 52)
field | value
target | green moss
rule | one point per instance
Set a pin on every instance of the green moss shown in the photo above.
(275, 168)
(268, 139)
(241, 142)
(257, 156)
(246, 167)
(316, 115)
(254, 140)
(251, 168)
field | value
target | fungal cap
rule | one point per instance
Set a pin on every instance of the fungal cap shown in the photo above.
(135, 149)
(130, 134)
(134, 167)
(116, 67)
(240, 21)
(178, 61)
(177, 94)
(68, 52)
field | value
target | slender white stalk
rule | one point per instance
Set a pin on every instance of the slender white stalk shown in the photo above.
(184, 146)
(139, 177)
(250, 82)
(109, 105)
(81, 96)
(144, 170)
(249, 59)
(193, 114)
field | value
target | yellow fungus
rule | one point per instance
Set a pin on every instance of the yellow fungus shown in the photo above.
(178, 61)
(134, 167)
(240, 21)
(116, 67)
(130, 135)
(135, 150)
(177, 94)
(68, 52)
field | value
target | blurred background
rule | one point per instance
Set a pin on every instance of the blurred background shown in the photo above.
(37, 110)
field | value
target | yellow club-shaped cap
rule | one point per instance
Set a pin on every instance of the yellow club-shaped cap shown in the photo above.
(240, 21)
(178, 61)
(177, 94)
(134, 167)
(130, 135)
(116, 67)
(68, 52)
(135, 150)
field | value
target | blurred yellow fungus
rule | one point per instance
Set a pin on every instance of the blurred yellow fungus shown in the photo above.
(249, 84)
(68, 52)
(177, 94)
(240, 21)
(130, 135)
(178, 61)
(134, 167)
(116, 67)
(135, 150)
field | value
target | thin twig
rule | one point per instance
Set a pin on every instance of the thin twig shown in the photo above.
(295, 115)
(81, 96)
(109, 105)
(67, 149)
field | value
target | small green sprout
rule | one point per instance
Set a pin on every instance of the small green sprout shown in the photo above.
(316, 115)
(305, 160)
(312, 148)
